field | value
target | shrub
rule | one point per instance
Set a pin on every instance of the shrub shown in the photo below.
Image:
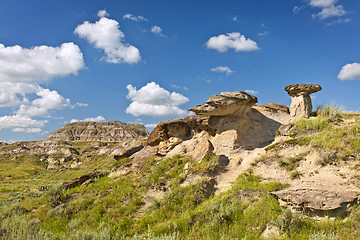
(331, 111)
(317, 124)
(323, 236)
(295, 174)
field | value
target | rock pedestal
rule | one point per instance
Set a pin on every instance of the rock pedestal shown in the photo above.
(301, 106)
(224, 125)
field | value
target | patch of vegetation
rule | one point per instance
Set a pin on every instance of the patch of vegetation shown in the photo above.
(295, 174)
(121, 162)
(311, 125)
(271, 146)
(32, 206)
(290, 163)
(330, 111)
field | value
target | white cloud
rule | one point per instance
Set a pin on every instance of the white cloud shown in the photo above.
(11, 92)
(178, 87)
(106, 35)
(297, 9)
(27, 130)
(135, 18)
(151, 125)
(102, 13)
(350, 71)
(337, 21)
(222, 69)
(253, 92)
(39, 64)
(232, 40)
(19, 121)
(261, 34)
(49, 100)
(79, 105)
(328, 9)
(156, 30)
(22, 70)
(95, 119)
(332, 11)
(153, 100)
(322, 3)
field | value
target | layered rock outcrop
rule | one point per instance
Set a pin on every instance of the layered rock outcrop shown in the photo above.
(101, 131)
(301, 105)
(225, 124)
(318, 200)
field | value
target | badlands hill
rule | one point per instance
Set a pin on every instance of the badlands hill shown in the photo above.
(234, 170)
(110, 131)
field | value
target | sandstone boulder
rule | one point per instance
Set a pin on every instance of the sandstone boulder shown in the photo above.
(301, 105)
(181, 128)
(102, 131)
(80, 180)
(319, 201)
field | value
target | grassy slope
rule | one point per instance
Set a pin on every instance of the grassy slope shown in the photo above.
(113, 208)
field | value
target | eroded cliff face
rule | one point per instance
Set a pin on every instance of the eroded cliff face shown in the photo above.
(111, 131)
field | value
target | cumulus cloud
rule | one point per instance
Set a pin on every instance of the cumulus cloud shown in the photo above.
(95, 119)
(135, 18)
(153, 100)
(106, 35)
(350, 71)
(19, 121)
(233, 40)
(156, 29)
(253, 92)
(222, 69)
(328, 9)
(23, 70)
(39, 64)
(49, 100)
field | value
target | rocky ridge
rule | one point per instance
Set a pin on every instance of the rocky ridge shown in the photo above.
(113, 131)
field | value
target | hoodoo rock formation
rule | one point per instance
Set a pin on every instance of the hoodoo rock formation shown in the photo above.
(102, 131)
(301, 106)
(224, 125)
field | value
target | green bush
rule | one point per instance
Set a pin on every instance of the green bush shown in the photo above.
(331, 111)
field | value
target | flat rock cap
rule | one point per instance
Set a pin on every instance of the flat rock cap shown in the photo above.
(302, 89)
(240, 95)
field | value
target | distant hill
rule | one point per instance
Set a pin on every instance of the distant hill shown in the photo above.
(98, 131)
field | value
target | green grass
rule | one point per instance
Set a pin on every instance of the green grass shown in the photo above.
(32, 206)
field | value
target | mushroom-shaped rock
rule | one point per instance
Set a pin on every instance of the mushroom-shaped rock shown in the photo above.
(301, 106)
(226, 104)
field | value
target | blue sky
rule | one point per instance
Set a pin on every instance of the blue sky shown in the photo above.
(148, 61)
